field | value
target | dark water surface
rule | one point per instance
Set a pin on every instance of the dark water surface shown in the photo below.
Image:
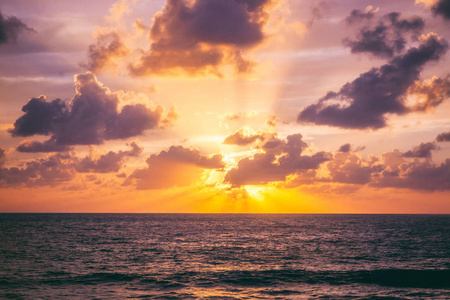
(221, 256)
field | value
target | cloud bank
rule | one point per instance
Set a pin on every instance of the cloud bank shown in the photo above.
(60, 168)
(412, 169)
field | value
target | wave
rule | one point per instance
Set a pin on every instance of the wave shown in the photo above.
(437, 279)
(382, 277)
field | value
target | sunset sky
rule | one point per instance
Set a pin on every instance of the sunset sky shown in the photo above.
(274, 106)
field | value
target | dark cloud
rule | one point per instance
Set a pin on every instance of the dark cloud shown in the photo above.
(358, 15)
(45, 171)
(423, 150)
(10, 28)
(60, 168)
(387, 38)
(178, 166)
(242, 138)
(365, 102)
(443, 137)
(345, 148)
(39, 117)
(92, 116)
(47, 146)
(442, 8)
(109, 46)
(279, 159)
(200, 36)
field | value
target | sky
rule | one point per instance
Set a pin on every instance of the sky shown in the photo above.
(225, 106)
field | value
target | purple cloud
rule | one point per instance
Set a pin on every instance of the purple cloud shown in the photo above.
(10, 28)
(92, 116)
(423, 150)
(443, 137)
(442, 8)
(201, 36)
(387, 38)
(60, 168)
(365, 102)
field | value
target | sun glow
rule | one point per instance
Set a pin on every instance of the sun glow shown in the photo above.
(257, 192)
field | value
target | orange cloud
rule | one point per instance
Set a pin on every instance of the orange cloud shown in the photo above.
(108, 48)
(177, 166)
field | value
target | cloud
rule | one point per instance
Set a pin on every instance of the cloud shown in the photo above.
(388, 170)
(243, 137)
(423, 150)
(319, 10)
(178, 166)
(60, 168)
(347, 167)
(117, 11)
(272, 121)
(92, 116)
(442, 8)
(10, 28)
(365, 102)
(443, 137)
(109, 162)
(419, 176)
(241, 117)
(387, 38)
(113, 41)
(47, 146)
(358, 15)
(430, 93)
(278, 159)
(2, 156)
(345, 148)
(202, 35)
(45, 171)
(105, 51)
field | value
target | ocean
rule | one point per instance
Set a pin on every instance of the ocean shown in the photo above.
(224, 256)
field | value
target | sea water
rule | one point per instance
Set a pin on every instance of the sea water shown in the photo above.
(224, 256)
